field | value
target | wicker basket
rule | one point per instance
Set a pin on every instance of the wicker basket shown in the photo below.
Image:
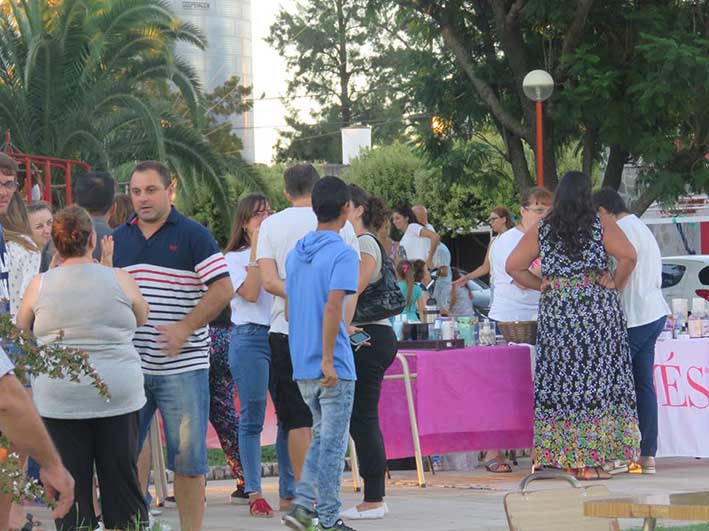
(519, 331)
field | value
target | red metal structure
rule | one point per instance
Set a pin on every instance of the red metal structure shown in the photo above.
(44, 165)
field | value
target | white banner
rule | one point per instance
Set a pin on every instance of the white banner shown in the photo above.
(682, 384)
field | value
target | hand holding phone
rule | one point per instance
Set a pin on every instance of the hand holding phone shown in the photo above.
(359, 338)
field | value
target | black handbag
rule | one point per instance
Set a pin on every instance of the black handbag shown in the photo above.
(383, 298)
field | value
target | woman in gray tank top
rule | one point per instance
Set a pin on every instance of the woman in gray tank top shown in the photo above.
(95, 309)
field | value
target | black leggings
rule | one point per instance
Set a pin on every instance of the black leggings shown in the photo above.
(111, 443)
(371, 362)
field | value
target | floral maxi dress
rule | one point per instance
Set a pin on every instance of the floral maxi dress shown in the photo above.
(585, 412)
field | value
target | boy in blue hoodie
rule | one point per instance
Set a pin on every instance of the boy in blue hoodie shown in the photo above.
(320, 272)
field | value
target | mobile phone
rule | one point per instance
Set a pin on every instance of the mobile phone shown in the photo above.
(360, 337)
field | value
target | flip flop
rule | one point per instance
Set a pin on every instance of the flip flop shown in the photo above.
(260, 508)
(496, 467)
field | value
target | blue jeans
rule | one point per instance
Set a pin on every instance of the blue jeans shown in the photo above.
(642, 341)
(183, 401)
(249, 361)
(322, 473)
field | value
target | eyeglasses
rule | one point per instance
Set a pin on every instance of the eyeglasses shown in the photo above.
(10, 186)
(493, 219)
(539, 211)
(262, 213)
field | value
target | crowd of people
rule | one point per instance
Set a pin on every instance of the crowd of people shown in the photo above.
(173, 323)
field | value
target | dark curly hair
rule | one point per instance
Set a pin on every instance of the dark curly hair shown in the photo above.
(572, 216)
(375, 213)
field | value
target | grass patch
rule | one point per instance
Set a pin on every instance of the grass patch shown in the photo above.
(216, 457)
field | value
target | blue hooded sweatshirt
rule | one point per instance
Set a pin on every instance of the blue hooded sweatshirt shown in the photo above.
(321, 262)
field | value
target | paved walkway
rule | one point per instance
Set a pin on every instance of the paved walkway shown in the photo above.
(452, 501)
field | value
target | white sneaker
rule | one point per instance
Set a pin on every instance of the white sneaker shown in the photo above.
(371, 514)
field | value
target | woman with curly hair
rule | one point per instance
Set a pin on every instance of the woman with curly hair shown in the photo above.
(584, 400)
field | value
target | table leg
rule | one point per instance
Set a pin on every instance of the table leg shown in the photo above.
(412, 419)
(649, 524)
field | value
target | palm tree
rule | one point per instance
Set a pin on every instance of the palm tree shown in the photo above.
(94, 80)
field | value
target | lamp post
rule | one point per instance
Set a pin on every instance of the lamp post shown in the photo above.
(538, 86)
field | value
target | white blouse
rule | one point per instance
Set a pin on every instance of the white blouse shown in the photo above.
(23, 265)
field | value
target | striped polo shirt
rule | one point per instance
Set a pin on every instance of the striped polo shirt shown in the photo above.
(173, 269)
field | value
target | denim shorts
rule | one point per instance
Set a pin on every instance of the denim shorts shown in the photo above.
(183, 401)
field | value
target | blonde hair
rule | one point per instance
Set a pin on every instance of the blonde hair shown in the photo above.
(16, 224)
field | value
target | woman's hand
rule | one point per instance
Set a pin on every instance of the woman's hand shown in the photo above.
(56, 261)
(107, 251)
(462, 281)
(606, 281)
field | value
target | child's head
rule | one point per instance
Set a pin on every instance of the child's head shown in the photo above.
(422, 274)
(331, 200)
(405, 272)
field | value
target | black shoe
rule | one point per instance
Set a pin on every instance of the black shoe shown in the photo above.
(239, 497)
(300, 518)
(170, 501)
(337, 526)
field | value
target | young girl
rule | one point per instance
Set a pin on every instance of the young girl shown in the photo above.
(461, 302)
(415, 297)
(249, 352)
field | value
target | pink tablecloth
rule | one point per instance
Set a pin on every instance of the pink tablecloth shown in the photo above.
(466, 399)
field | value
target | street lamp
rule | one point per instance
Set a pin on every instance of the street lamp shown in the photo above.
(538, 86)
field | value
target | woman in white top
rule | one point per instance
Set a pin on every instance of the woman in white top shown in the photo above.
(419, 242)
(249, 351)
(512, 302)
(500, 221)
(23, 254)
(645, 312)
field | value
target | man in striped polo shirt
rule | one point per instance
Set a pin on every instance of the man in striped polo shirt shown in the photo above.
(183, 275)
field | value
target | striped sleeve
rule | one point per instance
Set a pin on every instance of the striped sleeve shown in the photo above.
(212, 268)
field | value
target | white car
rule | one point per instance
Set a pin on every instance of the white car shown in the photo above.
(685, 277)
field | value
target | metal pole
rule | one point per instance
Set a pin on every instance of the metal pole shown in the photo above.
(67, 176)
(540, 146)
(28, 179)
(47, 182)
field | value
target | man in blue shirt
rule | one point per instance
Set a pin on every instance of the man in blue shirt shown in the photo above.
(320, 272)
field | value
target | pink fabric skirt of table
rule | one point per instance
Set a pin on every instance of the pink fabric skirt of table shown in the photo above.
(466, 399)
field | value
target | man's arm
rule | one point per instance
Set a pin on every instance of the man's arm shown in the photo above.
(269, 276)
(218, 295)
(21, 424)
(330, 328)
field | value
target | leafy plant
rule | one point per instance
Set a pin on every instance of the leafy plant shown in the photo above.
(31, 359)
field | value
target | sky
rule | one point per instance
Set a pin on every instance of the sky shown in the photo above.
(269, 80)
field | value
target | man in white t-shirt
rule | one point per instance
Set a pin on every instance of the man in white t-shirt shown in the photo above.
(441, 262)
(278, 235)
(645, 310)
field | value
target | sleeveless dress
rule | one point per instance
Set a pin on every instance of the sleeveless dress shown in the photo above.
(585, 412)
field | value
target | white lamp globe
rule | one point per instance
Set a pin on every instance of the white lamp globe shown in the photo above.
(538, 85)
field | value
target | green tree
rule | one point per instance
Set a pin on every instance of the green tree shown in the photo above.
(458, 191)
(334, 56)
(91, 81)
(630, 78)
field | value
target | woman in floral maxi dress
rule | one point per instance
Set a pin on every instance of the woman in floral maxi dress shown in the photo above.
(584, 404)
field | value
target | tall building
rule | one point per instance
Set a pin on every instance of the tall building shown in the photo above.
(227, 25)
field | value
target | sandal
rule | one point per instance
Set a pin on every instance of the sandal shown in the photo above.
(259, 508)
(31, 525)
(590, 474)
(496, 467)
